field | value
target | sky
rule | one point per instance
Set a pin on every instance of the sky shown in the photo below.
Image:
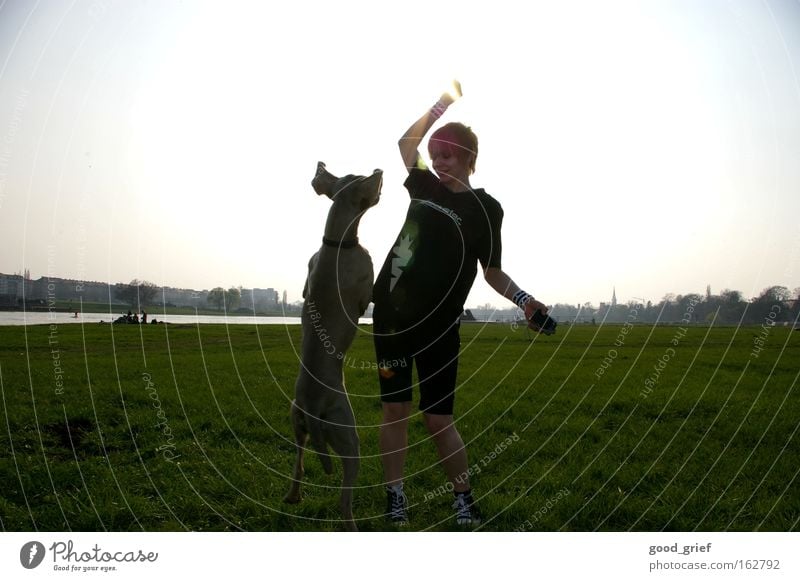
(650, 148)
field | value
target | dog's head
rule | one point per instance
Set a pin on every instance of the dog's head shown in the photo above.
(359, 192)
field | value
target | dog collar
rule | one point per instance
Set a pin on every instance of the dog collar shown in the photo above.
(352, 243)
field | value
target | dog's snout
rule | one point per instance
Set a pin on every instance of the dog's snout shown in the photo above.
(378, 173)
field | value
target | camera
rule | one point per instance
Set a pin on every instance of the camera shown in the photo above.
(546, 324)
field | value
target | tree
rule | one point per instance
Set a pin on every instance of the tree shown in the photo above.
(228, 299)
(233, 298)
(775, 295)
(772, 304)
(711, 308)
(691, 308)
(667, 309)
(732, 307)
(216, 296)
(137, 293)
(794, 305)
(731, 297)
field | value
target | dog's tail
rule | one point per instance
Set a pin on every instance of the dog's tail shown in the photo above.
(317, 439)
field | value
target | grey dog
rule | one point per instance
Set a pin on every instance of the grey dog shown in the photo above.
(338, 290)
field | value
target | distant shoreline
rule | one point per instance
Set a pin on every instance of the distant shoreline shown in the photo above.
(156, 311)
(57, 319)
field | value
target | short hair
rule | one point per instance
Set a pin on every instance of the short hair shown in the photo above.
(460, 135)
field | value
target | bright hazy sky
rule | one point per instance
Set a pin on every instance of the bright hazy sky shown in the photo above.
(652, 147)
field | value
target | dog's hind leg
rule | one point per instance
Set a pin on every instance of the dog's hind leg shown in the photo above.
(316, 434)
(300, 438)
(343, 439)
(350, 465)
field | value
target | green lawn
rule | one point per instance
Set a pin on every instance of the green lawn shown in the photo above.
(169, 428)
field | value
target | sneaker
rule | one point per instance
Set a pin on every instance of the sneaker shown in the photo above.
(467, 512)
(396, 506)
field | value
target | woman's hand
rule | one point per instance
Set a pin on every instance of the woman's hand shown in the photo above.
(449, 97)
(411, 139)
(531, 307)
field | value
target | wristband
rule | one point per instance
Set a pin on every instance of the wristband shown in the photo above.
(520, 298)
(438, 109)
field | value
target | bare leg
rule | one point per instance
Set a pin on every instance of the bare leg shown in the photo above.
(450, 446)
(394, 440)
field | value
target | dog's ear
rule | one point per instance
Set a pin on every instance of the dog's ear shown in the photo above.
(323, 181)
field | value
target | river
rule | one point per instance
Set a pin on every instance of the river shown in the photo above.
(47, 318)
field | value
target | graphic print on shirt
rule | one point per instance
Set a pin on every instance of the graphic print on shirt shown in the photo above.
(446, 211)
(402, 254)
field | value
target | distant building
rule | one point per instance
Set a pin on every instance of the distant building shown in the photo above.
(16, 289)
(259, 299)
(182, 297)
(10, 289)
(65, 289)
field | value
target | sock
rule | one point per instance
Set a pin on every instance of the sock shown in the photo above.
(467, 494)
(396, 488)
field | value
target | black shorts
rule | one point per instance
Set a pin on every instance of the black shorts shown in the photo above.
(436, 359)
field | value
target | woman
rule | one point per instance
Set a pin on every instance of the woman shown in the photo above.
(419, 297)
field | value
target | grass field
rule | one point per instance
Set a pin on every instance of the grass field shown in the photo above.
(612, 428)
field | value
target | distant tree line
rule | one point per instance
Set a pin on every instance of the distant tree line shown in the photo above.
(228, 300)
(142, 293)
(775, 304)
(137, 293)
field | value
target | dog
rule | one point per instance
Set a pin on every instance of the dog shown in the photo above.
(337, 291)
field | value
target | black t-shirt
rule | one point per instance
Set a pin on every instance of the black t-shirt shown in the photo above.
(430, 270)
